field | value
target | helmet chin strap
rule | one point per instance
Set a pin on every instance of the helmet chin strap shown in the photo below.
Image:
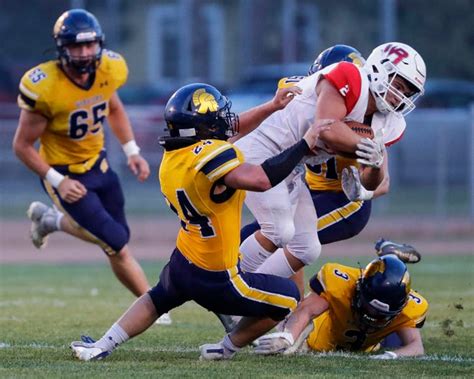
(88, 66)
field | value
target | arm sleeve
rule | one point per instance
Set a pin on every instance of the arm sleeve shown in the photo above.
(277, 168)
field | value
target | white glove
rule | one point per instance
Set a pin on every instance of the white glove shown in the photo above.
(352, 186)
(370, 152)
(385, 356)
(274, 343)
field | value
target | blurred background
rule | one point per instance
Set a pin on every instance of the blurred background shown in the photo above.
(243, 47)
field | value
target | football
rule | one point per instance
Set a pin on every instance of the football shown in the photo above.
(361, 129)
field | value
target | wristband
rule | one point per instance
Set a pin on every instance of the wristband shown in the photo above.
(131, 148)
(54, 178)
(366, 194)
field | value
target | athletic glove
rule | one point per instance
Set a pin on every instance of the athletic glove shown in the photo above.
(274, 343)
(352, 186)
(370, 152)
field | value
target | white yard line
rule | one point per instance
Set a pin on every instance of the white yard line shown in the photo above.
(429, 357)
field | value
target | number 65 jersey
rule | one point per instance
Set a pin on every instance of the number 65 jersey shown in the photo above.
(75, 114)
(210, 213)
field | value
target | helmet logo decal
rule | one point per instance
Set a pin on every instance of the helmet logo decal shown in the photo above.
(204, 102)
(398, 51)
(406, 281)
(374, 267)
(356, 59)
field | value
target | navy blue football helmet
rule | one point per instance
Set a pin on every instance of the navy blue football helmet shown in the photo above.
(200, 111)
(381, 292)
(335, 54)
(77, 26)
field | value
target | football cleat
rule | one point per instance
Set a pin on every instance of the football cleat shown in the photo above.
(164, 319)
(406, 253)
(43, 222)
(85, 350)
(215, 352)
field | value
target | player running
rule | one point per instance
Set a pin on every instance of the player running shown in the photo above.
(64, 104)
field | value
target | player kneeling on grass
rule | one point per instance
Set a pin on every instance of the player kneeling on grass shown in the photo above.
(354, 312)
(202, 177)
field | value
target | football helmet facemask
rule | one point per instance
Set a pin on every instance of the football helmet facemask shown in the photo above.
(73, 27)
(335, 54)
(384, 65)
(199, 111)
(381, 292)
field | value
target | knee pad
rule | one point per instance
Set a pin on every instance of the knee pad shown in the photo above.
(307, 250)
(115, 235)
(280, 232)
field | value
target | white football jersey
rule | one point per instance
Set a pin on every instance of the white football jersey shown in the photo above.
(392, 126)
(286, 127)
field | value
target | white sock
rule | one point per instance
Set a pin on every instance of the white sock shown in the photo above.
(112, 338)
(277, 265)
(229, 346)
(253, 254)
(58, 220)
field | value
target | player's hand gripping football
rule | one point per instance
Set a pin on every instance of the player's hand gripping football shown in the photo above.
(352, 187)
(71, 190)
(274, 343)
(284, 95)
(312, 135)
(139, 167)
(371, 152)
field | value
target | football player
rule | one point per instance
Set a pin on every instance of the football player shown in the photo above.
(342, 203)
(380, 93)
(202, 178)
(353, 311)
(64, 104)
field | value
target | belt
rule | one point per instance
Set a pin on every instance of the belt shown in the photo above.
(82, 167)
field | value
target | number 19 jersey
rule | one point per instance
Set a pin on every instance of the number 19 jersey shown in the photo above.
(210, 213)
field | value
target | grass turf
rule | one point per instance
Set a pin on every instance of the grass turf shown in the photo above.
(45, 307)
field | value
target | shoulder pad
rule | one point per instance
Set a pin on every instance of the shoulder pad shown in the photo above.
(115, 66)
(416, 308)
(347, 79)
(336, 278)
(35, 86)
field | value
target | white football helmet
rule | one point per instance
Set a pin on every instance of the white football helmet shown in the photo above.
(384, 64)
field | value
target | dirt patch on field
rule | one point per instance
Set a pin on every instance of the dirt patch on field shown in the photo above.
(154, 240)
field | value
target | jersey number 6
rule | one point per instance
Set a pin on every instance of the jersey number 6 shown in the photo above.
(78, 125)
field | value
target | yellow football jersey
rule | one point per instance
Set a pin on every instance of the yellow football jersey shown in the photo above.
(75, 115)
(336, 329)
(327, 176)
(189, 177)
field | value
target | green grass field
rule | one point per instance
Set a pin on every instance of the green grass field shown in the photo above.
(43, 308)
